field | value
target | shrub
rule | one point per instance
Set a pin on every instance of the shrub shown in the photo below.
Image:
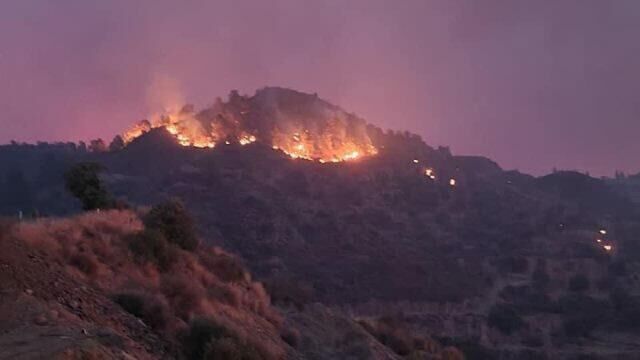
(174, 222)
(151, 246)
(579, 283)
(149, 309)
(224, 294)
(505, 318)
(207, 339)
(184, 294)
(227, 268)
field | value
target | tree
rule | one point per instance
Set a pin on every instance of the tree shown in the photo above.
(116, 144)
(83, 182)
(97, 145)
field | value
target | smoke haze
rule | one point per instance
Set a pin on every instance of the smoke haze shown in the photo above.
(532, 84)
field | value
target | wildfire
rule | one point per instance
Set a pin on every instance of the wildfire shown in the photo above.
(247, 139)
(223, 123)
(323, 148)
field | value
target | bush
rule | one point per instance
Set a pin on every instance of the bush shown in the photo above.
(149, 309)
(579, 283)
(184, 294)
(505, 318)
(174, 222)
(226, 267)
(151, 246)
(208, 340)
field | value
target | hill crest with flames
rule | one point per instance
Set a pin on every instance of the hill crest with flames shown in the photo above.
(295, 123)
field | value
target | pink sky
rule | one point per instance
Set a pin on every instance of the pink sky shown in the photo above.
(532, 84)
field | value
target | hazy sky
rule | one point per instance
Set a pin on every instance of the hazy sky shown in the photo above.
(532, 84)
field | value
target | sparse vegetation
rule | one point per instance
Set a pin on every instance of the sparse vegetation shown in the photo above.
(102, 246)
(208, 340)
(397, 336)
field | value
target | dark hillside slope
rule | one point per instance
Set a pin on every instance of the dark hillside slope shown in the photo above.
(378, 228)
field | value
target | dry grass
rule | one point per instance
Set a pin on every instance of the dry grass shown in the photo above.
(210, 283)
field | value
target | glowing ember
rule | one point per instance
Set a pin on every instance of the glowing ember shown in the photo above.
(352, 155)
(599, 240)
(428, 172)
(415, 161)
(608, 247)
(452, 182)
(603, 232)
(247, 139)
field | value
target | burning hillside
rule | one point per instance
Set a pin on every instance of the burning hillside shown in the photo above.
(300, 125)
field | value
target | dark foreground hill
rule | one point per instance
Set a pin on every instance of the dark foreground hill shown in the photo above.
(490, 260)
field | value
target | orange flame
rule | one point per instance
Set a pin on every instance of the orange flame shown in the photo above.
(332, 144)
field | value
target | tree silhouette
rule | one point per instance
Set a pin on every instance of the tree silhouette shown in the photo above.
(83, 182)
(116, 144)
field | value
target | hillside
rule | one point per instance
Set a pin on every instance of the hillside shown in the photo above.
(443, 241)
